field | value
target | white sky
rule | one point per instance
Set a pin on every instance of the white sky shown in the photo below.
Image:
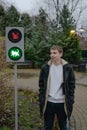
(32, 6)
(29, 6)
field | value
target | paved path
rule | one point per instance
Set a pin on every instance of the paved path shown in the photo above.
(80, 107)
(79, 118)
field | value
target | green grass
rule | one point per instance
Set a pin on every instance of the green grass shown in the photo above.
(28, 112)
(5, 128)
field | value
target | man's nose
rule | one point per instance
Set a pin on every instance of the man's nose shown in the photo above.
(52, 55)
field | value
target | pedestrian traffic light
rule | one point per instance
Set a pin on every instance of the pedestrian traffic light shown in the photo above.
(14, 44)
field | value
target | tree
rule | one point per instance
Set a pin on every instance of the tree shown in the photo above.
(43, 36)
(43, 33)
(72, 49)
(26, 22)
(54, 8)
(8, 17)
(36, 48)
(63, 19)
(2, 20)
(66, 20)
(11, 16)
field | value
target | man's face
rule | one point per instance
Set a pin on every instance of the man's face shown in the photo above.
(55, 55)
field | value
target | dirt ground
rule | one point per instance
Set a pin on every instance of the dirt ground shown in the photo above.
(28, 78)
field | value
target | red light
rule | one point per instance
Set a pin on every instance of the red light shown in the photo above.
(15, 35)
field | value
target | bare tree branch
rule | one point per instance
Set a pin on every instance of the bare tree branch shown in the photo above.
(68, 2)
(81, 11)
(74, 6)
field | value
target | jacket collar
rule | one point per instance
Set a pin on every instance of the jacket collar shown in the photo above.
(63, 62)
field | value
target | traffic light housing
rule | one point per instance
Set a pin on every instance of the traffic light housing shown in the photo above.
(14, 44)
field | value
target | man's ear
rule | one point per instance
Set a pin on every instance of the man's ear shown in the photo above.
(61, 54)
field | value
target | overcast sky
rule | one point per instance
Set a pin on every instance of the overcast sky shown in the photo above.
(32, 6)
(29, 6)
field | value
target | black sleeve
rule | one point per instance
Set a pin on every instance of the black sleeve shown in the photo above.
(71, 91)
(41, 91)
(41, 84)
(71, 85)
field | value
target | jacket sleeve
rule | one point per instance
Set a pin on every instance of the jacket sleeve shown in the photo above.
(71, 91)
(41, 91)
(41, 84)
(71, 85)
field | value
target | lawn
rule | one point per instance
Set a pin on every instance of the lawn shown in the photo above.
(28, 112)
(28, 107)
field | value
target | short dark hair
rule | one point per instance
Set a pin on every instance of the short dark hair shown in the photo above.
(59, 48)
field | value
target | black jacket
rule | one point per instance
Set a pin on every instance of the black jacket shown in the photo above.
(68, 87)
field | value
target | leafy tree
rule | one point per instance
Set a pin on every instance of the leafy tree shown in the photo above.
(43, 36)
(11, 16)
(25, 21)
(2, 20)
(72, 49)
(44, 33)
(66, 20)
(37, 42)
(8, 17)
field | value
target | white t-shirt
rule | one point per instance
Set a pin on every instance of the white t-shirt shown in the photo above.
(56, 78)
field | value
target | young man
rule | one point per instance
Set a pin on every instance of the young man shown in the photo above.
(56, 89)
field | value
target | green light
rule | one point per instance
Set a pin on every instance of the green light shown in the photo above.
(15, 53)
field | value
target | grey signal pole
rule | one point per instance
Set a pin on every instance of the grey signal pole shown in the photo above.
(16, 96)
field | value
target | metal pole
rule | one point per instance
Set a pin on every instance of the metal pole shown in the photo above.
(16, 96)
